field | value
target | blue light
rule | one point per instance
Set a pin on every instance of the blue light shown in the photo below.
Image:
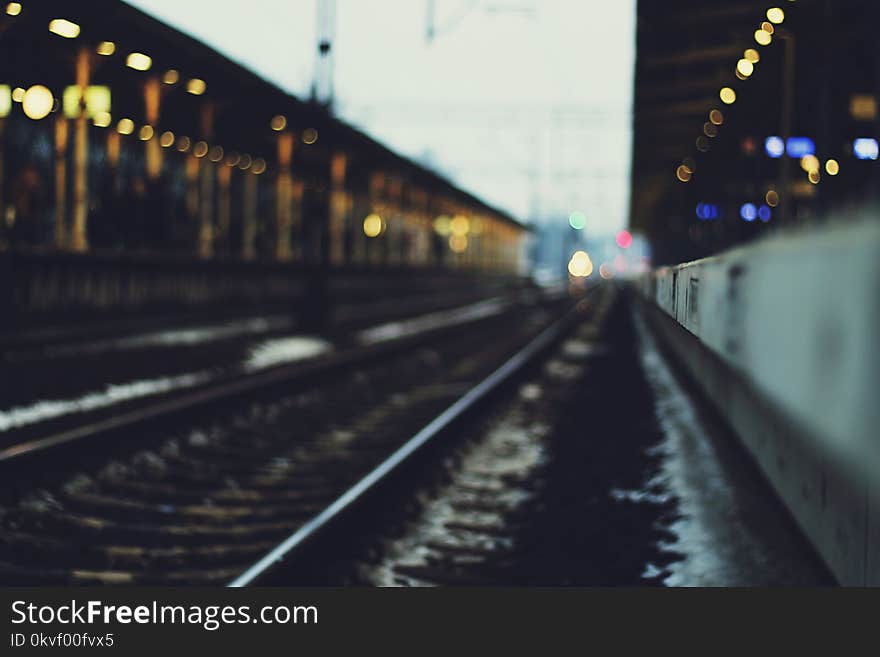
(865, 148)
(748, 211)
(707, 211)
(764, 213)
(774, 146)
(798, 147)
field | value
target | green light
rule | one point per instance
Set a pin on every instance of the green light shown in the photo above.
(577, 220)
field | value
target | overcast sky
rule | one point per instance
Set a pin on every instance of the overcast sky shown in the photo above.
(524, 102)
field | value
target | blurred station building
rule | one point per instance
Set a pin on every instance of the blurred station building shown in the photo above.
(750, 117)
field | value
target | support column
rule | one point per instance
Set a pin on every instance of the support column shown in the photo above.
(297, 248)
(375, 245)
(3, 228)
(79, 230)
(394, 193)
(283, 197)
(249, 224)
(152, 103)
(192, 187)
(338, 208)
(224, 180)
(206, 187)
(61, 132)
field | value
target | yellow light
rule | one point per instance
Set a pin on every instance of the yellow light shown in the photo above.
(442, 225)
(763, 38)
(13, 8)
(102, 119)
(125, 126)
(710, 129)
(768, 27)
(775, 15)
(458, 243)
(372, 225)
(278, 122)
(246, 162)
(727, 95)
(683, 173)
(832, 168)
(146, 133)
(863, 107)
(171, 76)
(716, 117)
(37, 102)
(772, 198)
(184, 144)
(752, 55)
(580, 265)
(63, 27)
(196, 86)
(459, 225)
(310, 136)
(745, 67)
(810, 163)
(5, 100)
(139, 61)
(813, 177)
(259, 166)
(98, 100)
(18, 94)
(166, 139)
(106, 48)
(233, 159)
(215, 154)
(200, 149)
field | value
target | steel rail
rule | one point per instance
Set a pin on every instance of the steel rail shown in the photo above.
(14, 454)
(290, 547)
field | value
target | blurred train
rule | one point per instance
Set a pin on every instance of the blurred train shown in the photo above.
(120, 134)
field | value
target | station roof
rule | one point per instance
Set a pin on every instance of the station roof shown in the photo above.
(244, 101)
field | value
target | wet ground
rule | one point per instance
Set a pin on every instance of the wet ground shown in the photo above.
(600, 470)
(731, 530)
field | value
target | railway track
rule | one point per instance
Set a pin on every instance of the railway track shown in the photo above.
(456, 515)
(196, 489)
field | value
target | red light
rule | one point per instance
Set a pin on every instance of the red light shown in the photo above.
(624, 239)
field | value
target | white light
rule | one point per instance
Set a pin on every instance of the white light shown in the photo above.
(774, 146)
(865, 148)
